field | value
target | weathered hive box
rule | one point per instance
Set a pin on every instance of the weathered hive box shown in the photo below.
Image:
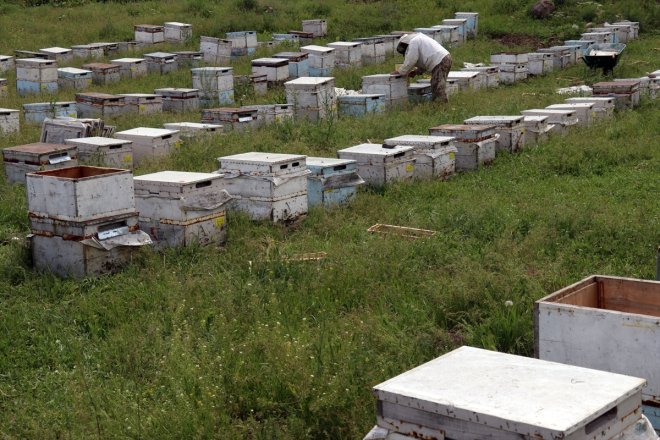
(6, 63)
(149, 143)
(511, 130)
(312, 98)
(462, 27)
(596, 37)
(537, 129)
(602, 314)
(100, 105)
(540, 63)
(87, 51)
(29, 158)
(298, 63)
(471, 393)
(242, 42)
(188, 58)
(3, 87)
(236, 118)
(319, 28)
(603, 105)
(491, 73)
(271, 113)
(332, 181)
(467, 80)
(321, 60)
(215, 84)
(475, 144)
(373, 50)
(161, 62)
(611, 35)
(215, 50)
(177, 32)
(435, 156)
(581, 46)
(181, 208)
(259, 83)
(621, 32)
(103, 73)
(631, 28)
(562, 120)
(379, 165)
(645, 85)
(103, 151)
(433, 33)
(509, 58)
(626, 93)
(394, 87)
(275, 69)
(35, 113)
(74, 78)
(420, 92)
(20, 54)
(9, 121)
(511, 73)
(149, 33)
(110, 49)
(561, 55)
(303, 37)
(360, 105)
(347, 53)
(143, 103)
(179, 100)
(472, 23)
(390, 41)
(35, 75)
(270, 186)
(56, 131)
(59, 54)
(583, 110)
(131, 67)
(194, 129)
(449, 34)
(281, 38)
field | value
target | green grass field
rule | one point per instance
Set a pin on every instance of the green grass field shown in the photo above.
(236, 342)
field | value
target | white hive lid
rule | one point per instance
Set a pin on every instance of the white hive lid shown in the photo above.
(128, 60)
(180, 177)
(147, 132)
(310, 81)
(337, 44)
(494, 120)
(327, 161)
(262, 158)
(73, 70)
(376, 150)
(177, 24)
(56, 50)
(570, 105)
(317, 49)
(193, 125)
(97, 141)
(418, 139)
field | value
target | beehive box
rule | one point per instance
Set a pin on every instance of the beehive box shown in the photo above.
(471, 24)
(87, 51)
(6, 63)
(433, 33)
(634, 25)
(581, 44)
(475, 144)
(59, 54)
(271, 113)
(467, 80)
(596, 37)
(645, 85)
(491, 74)
(540, 63)
(603, 105)
(188, 58)
(394, 87)
(303, 37)
(103, 152)
(390, 42)
(179, 100)
(35, 75)
(450, 34)
(298, 63)
(378, 165)
(35, 113)
(511, 73)
(104, 73)
(332, 181)
(610, 35)
(511, 131)
(100, 105)
(626, 93)
(318, 27)
(562, 120)
(143, 103)
(3, 87)
(9, 121)
(291, 38)
(161, 62)
(150, 143)
(259, 83)
(420, 92)
(177, 32)
(271, 186)
(229, 117)
(561, 56)
(347, 53)
(214, 83)
(373, 50)
(130, 68)
(74, 78)
(29, 158)
(625, 32)
(583, 110)
(194, 129)
(435, 156)
(182, 208)
(604, 314)
(471, 393)
(149, 33)
(242, 43)
(361, 104)
(321, 60)
(56, 131)
(21, 54)
(462, 24)
(312, 98)
(275, 69)
(110, 49)
(509, 58)
(537, 129)
(216, 51)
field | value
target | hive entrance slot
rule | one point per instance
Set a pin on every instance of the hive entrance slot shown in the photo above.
(203, 184)
(339, 167)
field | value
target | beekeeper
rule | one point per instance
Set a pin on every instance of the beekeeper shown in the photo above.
(424, 54)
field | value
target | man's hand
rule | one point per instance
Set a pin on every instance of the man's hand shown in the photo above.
(412, 73)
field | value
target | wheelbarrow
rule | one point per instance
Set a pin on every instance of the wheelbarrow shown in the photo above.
(603, 56)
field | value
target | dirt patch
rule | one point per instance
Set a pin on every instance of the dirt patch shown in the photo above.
(531, 41)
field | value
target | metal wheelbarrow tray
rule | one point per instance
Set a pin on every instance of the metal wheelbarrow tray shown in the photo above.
(603, 56)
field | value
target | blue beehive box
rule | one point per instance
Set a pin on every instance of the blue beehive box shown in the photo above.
(24, 87)
(419, 92)
(36, 112)
(332, 181)
(298, 63)
(472, 25)
(359, 105)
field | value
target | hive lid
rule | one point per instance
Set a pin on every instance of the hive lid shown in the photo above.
(467, 74)
(361, 97)
(41, 62)
(414, 139)
(572, 105)
(73, 71)
(140, 95)
(458, 128)
(270, 62)
(535, 118)
(177, 24)
(370, 40)
(41, 105)
(450, 27)
(292, 56)
(129, 60)
(160, 55)
(100, 66)
(147, 132)
(322, 162)
(317, 49)
(177, 177)
(97, 141)
(258, 158)
(55, 50)
(6, 111)
(457, 21)
(5, 57)
(494, 120)
(548, 111)
(148, 26)
(193, 125)
(96, 96)
(39, 148)
(376, 150)
(349, 44)
(311, 81)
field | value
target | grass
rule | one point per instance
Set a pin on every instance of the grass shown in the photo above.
(236, 342)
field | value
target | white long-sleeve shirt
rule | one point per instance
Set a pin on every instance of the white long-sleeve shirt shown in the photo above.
(423, 52)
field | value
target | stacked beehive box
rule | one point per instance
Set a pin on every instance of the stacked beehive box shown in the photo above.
(181, 208)
(100, 105)
(104, 73)
(626, 93)
(150, 143)
(561, 120)
(450, 34)
(373, 50)
(35, 75)
(161, 62)
(298, 63)
(74, 78)
(177, 32)
(131, 67)
(596, 37)
(537, 129)
(30, 158)
(582, 45)
(215, 85)
(471, 24)
(90, 227)
(232, 118)
(467, 79)
(435, 156)
(462, 24)
(149, 33)
(59, 54)
(561, 56)
(216, 51)
(88, 51)
(475, 144)
(433, 33)
(275, 69)
(318, 27)
(511, 131)
(103, 151)
(379, 165)
(37, 112)
(271, 186)
(513, 66)
(394, 87)
(242, 43)
(321, 60)
(143, 103)
(179, 100)
(303, 37)
(347, 53)
(491, 73)
(331, 181)
(390, 42)
(361, 104)
(312, 98)
(6, 63)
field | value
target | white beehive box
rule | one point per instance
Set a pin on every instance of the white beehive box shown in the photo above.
(80, 193)
(189, 58)
(492, 74)
(626, 93)
(181, 208)
(161, 62)
(74, 78)
(321, 60)
(6, 63)
(378, 165)
(194, 129)
(177, 32)
(597, 37)
(303, 37)
(537, 129)
(603, 105)
(3, 88)
(435, 156)
(467, 80)
(271, 113)
(312, 98)
(347, 53)
(298, 63)
(373, 50)
(472, 24)
(390, 42)
(270, 186)
(509, 58)
(511, 130)
(562, 120)
(319, 28)
(214, 83)
(433, 33)
(150, 143)
(215, 50)
(632, 28)
(100, 105)
(331, 181)
(104, 73)
(450, 34)
(9, 121)
(473, 393)
(149, 33)
(235, 118)
(143, 103)
(87, 51)
(130, 68)
(103, 151)
(604, 314)
(610, 35)
(475, 144)
(29, 158)
(583, 110)
(540, 63)
(36, 70)
(511, 73)
(36, 112)
(275, 69)
(562, 56)
(462, 27)
(59, 54)
(179, 100)
(394, 87)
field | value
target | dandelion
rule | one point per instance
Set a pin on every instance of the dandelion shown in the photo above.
(508, 303)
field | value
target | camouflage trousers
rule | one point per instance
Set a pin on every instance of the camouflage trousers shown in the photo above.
(439, 79)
